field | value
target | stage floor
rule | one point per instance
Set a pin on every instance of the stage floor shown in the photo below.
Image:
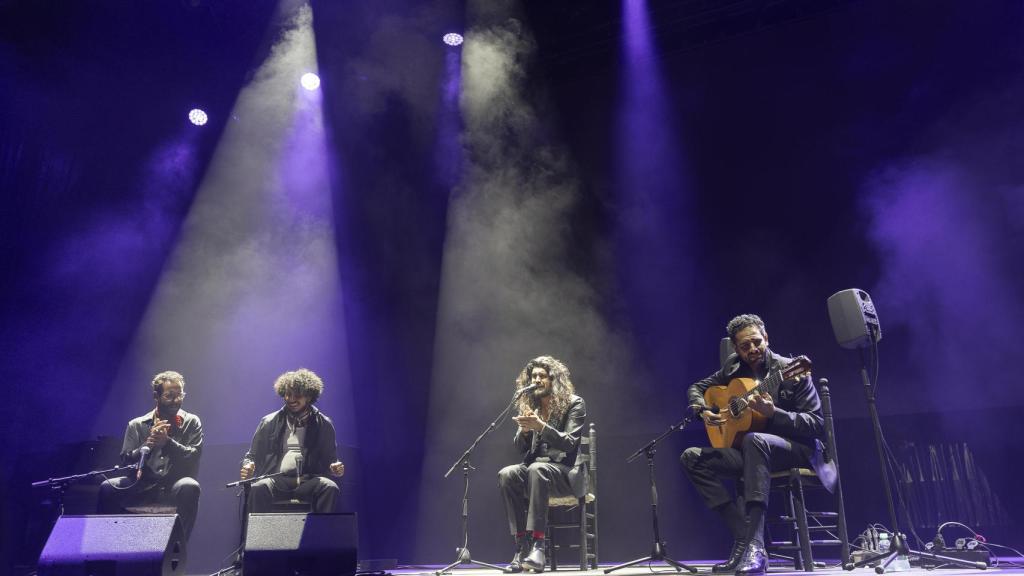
(704, 568)
(1006, 566)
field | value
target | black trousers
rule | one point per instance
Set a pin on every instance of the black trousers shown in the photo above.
(118, 493)
(526, 489)
(759, 456)
(320, 492)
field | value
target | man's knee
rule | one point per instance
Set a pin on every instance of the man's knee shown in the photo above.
(108, 486)
(507, 476)
(187, 488)
(109, 497)
(328, 485)
(755, 441)
(690, 458)
(539, 471)
(264, 486)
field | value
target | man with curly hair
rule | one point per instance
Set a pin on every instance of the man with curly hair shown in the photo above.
(791, 439)
(550, 420)
(174, 438)
(296, 442)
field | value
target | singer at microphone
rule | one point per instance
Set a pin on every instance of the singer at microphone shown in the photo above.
(550, 424)
(529, 388)
(164, 445)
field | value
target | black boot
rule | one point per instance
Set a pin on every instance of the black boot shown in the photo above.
(535, 560)
(729, 566)
(754, 561)
(522, 549)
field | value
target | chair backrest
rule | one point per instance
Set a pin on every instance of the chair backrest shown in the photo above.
(725, 350)
(583, 476)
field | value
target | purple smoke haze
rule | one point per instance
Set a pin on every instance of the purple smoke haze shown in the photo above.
(950, 279)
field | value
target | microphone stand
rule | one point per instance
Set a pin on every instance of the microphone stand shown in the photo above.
(236, 566)
(464, 557)
(59, 485)
(658, 550)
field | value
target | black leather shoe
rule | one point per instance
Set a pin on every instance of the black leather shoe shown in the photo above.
(754, 561)
(535, 559)
(729, 566)
(522, 549)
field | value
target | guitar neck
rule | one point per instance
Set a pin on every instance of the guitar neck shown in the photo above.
(769, 383)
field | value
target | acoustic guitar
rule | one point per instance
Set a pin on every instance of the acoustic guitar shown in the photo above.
(732, 401)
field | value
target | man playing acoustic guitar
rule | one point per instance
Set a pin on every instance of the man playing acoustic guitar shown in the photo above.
(763, 415)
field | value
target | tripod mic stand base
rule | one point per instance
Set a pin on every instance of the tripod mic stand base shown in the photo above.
(466, 558)
(657, 555)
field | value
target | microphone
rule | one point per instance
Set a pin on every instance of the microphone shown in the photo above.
(143, 454)
(526, 389)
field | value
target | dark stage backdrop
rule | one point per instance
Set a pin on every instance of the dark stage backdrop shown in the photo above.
(494, 205)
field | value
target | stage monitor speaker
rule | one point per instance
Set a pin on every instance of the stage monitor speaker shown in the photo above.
(308, 544)
(854, 320)
(122, 545)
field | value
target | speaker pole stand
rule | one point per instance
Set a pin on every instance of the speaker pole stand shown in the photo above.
(899, 546)
(658, 553)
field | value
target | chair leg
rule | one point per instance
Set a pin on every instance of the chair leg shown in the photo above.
(551, 545)
(794, 528)
(844, 537)
(552, 550)
(592, 550)
(797, 489)
(583, 533)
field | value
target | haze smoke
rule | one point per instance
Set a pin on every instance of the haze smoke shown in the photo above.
(252, 288)
(510, 290)
(948, 230)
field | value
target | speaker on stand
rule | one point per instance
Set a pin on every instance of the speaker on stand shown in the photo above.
(855, 324)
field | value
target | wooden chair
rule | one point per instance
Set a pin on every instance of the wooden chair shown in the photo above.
(793, 483)
(580, 508)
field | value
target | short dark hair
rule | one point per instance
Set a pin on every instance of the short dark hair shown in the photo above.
(744, 321)
(302, 381)
(166, 377)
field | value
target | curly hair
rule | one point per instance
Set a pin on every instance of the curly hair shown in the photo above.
(167, 377)
(302, 381)
(561, 386)
(744, 321)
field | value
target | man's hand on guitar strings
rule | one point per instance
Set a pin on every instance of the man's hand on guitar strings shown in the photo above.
(712, 418)
(762, 404)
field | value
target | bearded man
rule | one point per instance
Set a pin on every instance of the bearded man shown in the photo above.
(550, 420)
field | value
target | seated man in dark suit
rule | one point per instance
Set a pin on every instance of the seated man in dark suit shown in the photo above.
(794, 425)
(297, 441)
(174, 439)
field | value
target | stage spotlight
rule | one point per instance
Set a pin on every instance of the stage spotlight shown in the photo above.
(310, 81)
(452, 39)
(197, 117)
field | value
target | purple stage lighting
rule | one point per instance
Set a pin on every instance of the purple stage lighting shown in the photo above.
(197, 117)
(310, 81)
(452, 39)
